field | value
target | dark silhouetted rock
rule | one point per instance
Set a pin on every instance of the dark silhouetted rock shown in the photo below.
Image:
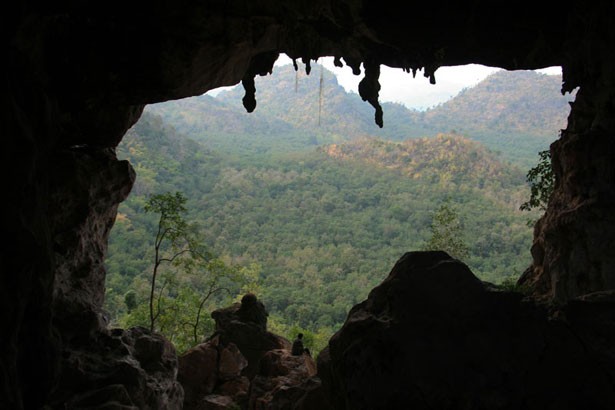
(89, 185)
(253, 311)
(431, 336)
(211, 375)
(231, 362)
(217, 402)
(198, 371)
(237, 388)
(135, 369)
(283, 379)
(216, 374)
(565, 263)
(233, 325)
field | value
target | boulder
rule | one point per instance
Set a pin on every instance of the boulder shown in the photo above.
(235, 325)
(217, 402)
(198, 371)
(231, 363)
(432, 336)
(237, 388)
(211, 374)
(136, 369)
(283, 380)
(244, 366)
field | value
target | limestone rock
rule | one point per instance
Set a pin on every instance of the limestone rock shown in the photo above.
(198, 371)
(136, 369)
(89, 185)
(251, 337)
(283, 379)
(431, 336)
(211, 375)
(231, 362)
(237, 388)
(217, 402)
(99, 367)
(216, 374)
(566, 263)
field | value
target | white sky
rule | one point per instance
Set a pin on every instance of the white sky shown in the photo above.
(418, 93)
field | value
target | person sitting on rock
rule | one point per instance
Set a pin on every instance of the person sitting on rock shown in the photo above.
(298, 349)
(253, 311)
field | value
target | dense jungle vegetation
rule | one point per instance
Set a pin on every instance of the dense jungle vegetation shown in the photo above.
(311, 217)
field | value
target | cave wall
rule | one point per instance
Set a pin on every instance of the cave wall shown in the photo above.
(78, 75)
(574, 241)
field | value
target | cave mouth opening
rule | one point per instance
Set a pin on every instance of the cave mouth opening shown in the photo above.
(314, 216)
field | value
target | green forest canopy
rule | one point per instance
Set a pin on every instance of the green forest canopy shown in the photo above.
(313, 220)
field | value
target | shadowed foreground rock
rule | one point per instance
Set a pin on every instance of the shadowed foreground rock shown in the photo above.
(136, 371)
(244, 366)
(97, 368)
(432, 336)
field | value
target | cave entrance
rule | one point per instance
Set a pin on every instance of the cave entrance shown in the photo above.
(312, 203)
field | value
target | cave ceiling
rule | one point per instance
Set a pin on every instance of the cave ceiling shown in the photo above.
(105, 60)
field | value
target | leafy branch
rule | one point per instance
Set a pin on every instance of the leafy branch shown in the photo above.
(542, 182)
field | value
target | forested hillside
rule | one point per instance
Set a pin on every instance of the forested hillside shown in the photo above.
(514, 113)
(311, 232)
(517, 113)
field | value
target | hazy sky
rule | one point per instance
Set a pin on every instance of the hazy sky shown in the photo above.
(418, 93)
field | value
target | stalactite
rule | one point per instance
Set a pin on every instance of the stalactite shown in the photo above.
(430, 72)
(369, 87)
(261, 64)
(308, 65)
(249, 98)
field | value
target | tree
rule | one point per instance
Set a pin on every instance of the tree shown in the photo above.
(130, 300)
(542, 182)
(173, 239)
(447, 233)
(196, 277)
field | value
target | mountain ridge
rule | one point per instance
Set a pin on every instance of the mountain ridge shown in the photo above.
(517, 113)
(309, 218)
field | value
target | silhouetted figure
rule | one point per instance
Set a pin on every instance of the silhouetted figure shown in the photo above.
(298, 349)
(253, 311)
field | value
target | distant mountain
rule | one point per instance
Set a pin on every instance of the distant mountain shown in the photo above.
(515, 113)
(324, 225)
(446, 160)
(443, 157)
(336, 115)
(506, 103)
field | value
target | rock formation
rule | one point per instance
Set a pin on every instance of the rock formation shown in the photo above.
(132, 368)
(243, 365)
(432, 336)
(128, 369)
(573, 248)
(77, 76)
